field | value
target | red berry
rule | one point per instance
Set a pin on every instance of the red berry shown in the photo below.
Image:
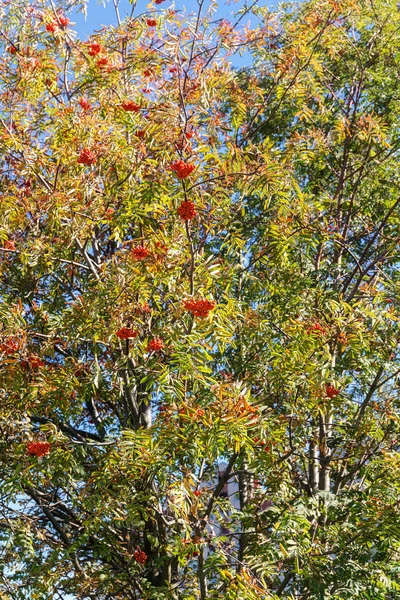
(199, 308)
(38, 448)
(102, 62)
(316, 329)
(140, 252)
(151, 22)
(140, 134)
(35, 362)
(9, 245)
(331, 391)
(94, 49)
(9, 347)
(140, 556)
(12, 49)
(130, 106)
(155, 345)
(64, 21)
(144, 308)
(182, 169)
(197, 493)
(84, 104)
(125, 333)
(86, 157)
(187, 211)
(51, 27)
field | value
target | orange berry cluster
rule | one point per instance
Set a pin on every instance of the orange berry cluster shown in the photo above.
(38, 448)
(182, 169)
(140, 556)
(331, 391)
(140, 252)
(130, 106)
(84, 104)
(54, 25)
(316, 329)
(10, 347)
(125, 334)
(199, 308)
(155, 345)
(94, 49)
(86, 157)
(33, 362)
(187, 210)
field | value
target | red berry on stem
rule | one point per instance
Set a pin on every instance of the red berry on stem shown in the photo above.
(140, 556)
(84, 104)
(182, 168)
(86, 157)
(331, 391)
(155, 345)
(140, 252)
(38, 448)
(51, 27)
(94, 49)
(187, 210)
(64, 21)
(125, 333)
(130, 106)
(199, 308)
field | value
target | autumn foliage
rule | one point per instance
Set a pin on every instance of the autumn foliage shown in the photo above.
(199, 225)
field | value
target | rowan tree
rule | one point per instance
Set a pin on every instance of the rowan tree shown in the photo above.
(200, 263)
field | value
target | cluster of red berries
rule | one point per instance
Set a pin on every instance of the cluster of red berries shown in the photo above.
(33, 362)
(38, 448)
(94, 49)
(102, 62)
(187, 210)
(182, 169)
(86, 157)
(9, 245)
(12, 49)
(10, 347)
(140, 557)
(199, 308)
(316, 329)
(51, 27)
(151, 22)
(125, 333)
(84, 104)
(130, 106)
(155, 345)
(331, 391)
(140, 252)
(140, 134)
(54, 25)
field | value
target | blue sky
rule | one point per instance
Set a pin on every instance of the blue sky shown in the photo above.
(99, 14)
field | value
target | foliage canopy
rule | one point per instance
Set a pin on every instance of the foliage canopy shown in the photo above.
(200, 263)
